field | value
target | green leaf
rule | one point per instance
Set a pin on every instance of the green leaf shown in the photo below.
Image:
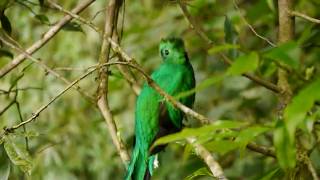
(200, 172)
(287, 53)
(2, 139)
(5, 53)
(42, 18)
(41, 2)
(187, 151)
(221, 146)
(194, 132)
(296, 111)
(224, 47)
(5, 23)
(231, 36)
(285, 147)
(270, 175)
(5, 171)
(18, 155)
(248, 134)
(3, 4)
(202, 85)
(72, 26)
(245, 63)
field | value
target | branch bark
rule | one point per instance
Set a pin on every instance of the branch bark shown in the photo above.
(102, 101)
(45, 38)
(207, 157)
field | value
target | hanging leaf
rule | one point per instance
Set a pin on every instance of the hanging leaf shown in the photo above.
(231, 37)
(287, 53)
(224, 47)
(72, 26)
(187, 152)
(5, 53)
(221, 146)
(202, 85)
(5, 23)
(194, 132)
(200, 172)
(3, 5)
(249, 134)
(245, 63)
(18, 155)
(41, 2)
(285, 147)
(296, 111)
(271, 175)
(43, 19)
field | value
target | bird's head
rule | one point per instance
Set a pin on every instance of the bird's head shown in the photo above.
(172, 50)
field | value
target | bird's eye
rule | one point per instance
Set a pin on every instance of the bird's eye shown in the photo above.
(166, 52)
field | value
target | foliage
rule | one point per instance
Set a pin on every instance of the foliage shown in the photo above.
(70, 139)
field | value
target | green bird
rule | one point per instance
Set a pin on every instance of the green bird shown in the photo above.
(155, 117)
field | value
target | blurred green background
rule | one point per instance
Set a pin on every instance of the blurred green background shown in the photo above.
(70, 140)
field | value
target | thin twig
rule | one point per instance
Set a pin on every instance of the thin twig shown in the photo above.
(102, 101)
(45, 38)
(19, 89)
(306, 17)
(42, 108)
(250, 26)
(201, 33)
(17, 47)
(75, 16)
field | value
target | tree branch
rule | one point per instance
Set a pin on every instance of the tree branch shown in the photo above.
(103, 81)
(207, 157)
(261, 149)
(45, 38)
(306, 17)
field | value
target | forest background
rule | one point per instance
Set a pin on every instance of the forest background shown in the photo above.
(65, 115)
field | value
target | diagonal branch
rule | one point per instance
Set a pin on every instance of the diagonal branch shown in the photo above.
(45, 38)
(306, 17)
(207, 157)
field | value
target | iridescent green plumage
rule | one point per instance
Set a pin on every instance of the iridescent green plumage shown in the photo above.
(156, 117)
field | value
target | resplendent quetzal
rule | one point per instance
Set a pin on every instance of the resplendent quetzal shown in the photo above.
(154, 117)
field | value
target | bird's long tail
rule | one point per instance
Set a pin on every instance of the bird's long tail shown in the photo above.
(140, 167)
